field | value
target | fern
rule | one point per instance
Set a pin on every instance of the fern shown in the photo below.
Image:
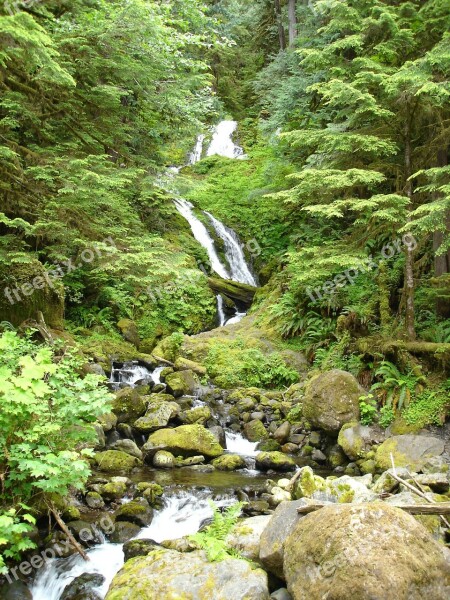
(213, 538)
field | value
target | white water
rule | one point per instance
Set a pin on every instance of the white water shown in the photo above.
(222, 141)
(156, 375)
(237, 444)
(237, 317)
(196, 154)
(220, 311)
(183, 514)
(130, 374)
(201, 235)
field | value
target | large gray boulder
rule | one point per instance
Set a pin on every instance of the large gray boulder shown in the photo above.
(170, 574)
(186, 440)
(367, 552)
(245, 537)
(356, 439)
(332, 399)
(410, 451)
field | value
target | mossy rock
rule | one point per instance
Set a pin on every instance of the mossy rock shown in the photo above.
(199, 415)
(268, 446)
(255, 431)
(186, 440)
(94, 500)
(129, 331)
(164, 460)
(157, 416)
(184, 364)
(356, 440)
(276, 461)
(411, 451)
(136, 511)
(182, 383)
(336, 553)
(229, 462)
(124, 531)
(108, 421)
(135, 548)
(113, 490)
(332, 399)
(128, 405)
(150, 491)
(114, 460)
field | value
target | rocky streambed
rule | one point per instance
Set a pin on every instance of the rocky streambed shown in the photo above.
(171, 445)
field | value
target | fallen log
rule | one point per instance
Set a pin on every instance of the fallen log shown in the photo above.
(440, 508)
(241, 292)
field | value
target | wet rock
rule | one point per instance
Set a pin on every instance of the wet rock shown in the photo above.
(229, 462)
(256, 507)
(170, 574)
(129, 447)
(246, 535)
(182, 383)
(108, 421)
(410, 451)
(255, 431)
(128, 405)
(16, 590)
(164, 460)
(318, 455)
(129, 331)
(123, 532)
(135, 548)
(199, 415)
(85, 532)
(332, 399)
(137, 511)
(274, 460)
(114, 460)
(191, 461)
(320, 562)
(94, 500)
(282, 433)
(356, 439)
(114, 490)
(186, 440)
(268, 446)
(184, 364)
(82, 587)
(150, 491)
(157, 417)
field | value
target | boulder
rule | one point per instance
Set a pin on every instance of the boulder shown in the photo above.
(332, 399)
(274, 536)
(410, 451)
(114, 490)
(186, 440)
(114, 460)
(108, 421)
(123, 532)
(127, 446)
(386, 483)
(164, 460)
(135, 548)
(157, 417)
(199, 415)
(129, 331)
(83, 587)
(170, 574)
(128, 405)
(283, 432)
(356, 440)
(370, 552)
(17, 590)
(94, 500)
(229, 462)
(137, 511)
(255, 431)
(184, 364)
(343, 489)
(182, 383)
(274, 460)
(151, 491)
(246, 535)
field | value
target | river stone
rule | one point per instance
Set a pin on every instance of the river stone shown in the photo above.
(387, 483)
(274, 536)
(114, 460)
(129, 447)
(332, 399)
(135, 548)
(186, 440)
(94, 500)
(137, 511)
(113, 490)
(164, 460)
(274, 460)
(129, 331)
(123, 532)
(81, 588)
(283, 432)
(229, 462)
(246, 535)
(128, 405)
(199, 415)
(170, 574)
(157, 417)
(410, 451)
(255, 431)
(16, 590)
(108, 421)
(356, 439)
(184, 364)
(369, 551)
(182, 383)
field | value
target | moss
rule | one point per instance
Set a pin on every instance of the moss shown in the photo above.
(199, 415)
(229, 462)
(128, 405)
(185, 440)
(274, 460)
(113, 490)
(114, 460)
(255, 431)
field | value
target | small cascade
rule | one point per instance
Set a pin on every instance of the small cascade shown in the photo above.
(156, 375)
(202, 236)
(222, 141)
(128, 374)
(196, 154)
(233, 251)
(220, 311)
(237, 444)
(182, 514)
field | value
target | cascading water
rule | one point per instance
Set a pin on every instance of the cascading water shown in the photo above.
(222, 141)
(130, 373)
(182, 514)
(237, 444)
(196, 154)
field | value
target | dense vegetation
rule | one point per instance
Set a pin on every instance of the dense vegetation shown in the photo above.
(344, 115)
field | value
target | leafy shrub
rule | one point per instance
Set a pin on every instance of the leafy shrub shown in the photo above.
(13, 539)
(368, 408)
(396, 388)
(212, 538)
(387, 415)
(429, 408)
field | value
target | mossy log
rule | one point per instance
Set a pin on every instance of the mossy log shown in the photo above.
(436, 351)
(241, 292)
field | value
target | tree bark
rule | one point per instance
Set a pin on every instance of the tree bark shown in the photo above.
(281, 32)
(409, 266)
(292, 22)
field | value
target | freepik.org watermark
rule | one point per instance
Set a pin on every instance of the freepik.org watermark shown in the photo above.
(58, 271)
(349, 276)
(92, 534)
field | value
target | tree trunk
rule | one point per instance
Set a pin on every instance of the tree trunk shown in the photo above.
(281, 32)
(292, 22)
(409, 266)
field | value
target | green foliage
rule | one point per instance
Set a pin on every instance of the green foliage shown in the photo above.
(368, 408)
(396, 388)
(387, 416)
(212, 538)
(47, 415)
(428, 408)
(14, 527)
(233, 364)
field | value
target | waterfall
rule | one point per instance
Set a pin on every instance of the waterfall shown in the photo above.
(182, 514)
(237, 444)
(129, 373)
(222, 141)
(233, 251)
(220, 311)
(196, 154)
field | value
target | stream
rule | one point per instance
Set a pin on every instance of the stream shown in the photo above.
(185, 503)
